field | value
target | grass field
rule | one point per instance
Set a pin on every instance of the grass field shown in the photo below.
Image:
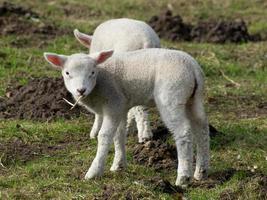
(239, 112)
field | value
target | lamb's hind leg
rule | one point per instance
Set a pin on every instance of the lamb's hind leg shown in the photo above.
(175, 117)
(119, 161)
(142, 123)
(105, 136)
(201, 137)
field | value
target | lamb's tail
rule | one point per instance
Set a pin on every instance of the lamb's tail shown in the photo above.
(199, 83)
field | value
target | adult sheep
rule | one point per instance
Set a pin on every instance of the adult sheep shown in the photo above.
(122, 35)
(172, 80)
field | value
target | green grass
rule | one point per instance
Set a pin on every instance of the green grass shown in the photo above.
(57, 173)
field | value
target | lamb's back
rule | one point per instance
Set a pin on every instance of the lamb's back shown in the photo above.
(138, 72)
(124, 35)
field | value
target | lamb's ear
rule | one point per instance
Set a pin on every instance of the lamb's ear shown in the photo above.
(55, 60)
(101, 56)
(84, 39)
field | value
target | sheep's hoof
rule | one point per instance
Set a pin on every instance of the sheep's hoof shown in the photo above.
(118, 167)
(200, 174)
(145, 138)
(92, 173)
(183, 181)
(93, 135)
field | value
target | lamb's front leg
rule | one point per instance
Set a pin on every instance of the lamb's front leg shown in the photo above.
(96, 126)
(119, 161)
(105, 136)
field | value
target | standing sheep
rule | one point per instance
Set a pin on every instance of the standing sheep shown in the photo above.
(172, 80)
(122, 35)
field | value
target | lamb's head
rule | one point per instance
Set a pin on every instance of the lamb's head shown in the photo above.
(78, 70)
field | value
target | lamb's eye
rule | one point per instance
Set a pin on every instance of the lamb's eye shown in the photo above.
(67, 73)
(93, 72)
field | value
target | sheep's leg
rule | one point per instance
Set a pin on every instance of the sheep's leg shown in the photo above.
(130, 119)
(142, 123)
(119, 161)
(175, 117)
(105, 136)
(96, 126)
(201, 132)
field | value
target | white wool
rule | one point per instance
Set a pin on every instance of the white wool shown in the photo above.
(123, 35)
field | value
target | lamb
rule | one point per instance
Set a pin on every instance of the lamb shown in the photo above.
(110, 85)
(122, 35)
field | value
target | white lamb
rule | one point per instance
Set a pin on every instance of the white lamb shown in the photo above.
(122, 35)
(170, 79)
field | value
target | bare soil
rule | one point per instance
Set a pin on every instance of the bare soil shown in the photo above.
(214, 31)
(28, 26)
(155, 153)
(258, 181)
(41, 99)
(110, 192)
(16, 150)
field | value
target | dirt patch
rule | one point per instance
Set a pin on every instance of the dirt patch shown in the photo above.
(155, 153)
(215, 178)
(215, 31)
(25, 23)
(17, 150)
(161, 155)
(41, 99)
(165, 186)
(254, 183)
(110, 192)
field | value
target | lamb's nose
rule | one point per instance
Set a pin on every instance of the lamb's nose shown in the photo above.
(81, 91)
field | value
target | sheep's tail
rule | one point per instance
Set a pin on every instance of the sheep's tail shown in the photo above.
(199, 83)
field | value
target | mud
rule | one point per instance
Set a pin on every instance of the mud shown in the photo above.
(159, 154)
(155, 153)
(41, 99)
(28, 26)
(165, 186)
(214, 31)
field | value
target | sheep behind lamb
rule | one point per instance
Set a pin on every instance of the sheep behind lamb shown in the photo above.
(122, 35)
(172, 80)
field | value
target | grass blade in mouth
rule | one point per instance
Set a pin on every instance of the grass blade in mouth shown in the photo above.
(73, 105)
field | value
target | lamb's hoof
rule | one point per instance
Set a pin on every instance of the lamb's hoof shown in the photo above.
(92, 173)
(200, 174)
(93, 135)
(183, 181)
(118, 167)
(145, 139)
